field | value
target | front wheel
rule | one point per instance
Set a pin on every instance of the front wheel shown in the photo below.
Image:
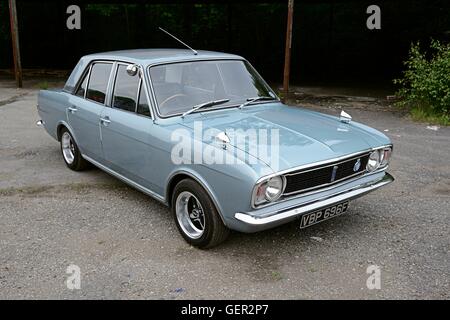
(196, 216)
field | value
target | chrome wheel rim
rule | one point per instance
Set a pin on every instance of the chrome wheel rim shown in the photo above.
(190, 215)
(68, 148)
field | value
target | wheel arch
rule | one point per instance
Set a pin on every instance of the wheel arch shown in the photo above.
(60, 126)
(183, 174)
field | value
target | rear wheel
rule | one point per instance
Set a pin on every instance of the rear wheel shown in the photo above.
(70, 152)
(196, 216)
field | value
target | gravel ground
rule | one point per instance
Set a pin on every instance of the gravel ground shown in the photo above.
(127, 245)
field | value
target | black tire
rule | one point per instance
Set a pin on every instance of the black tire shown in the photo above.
(215, 232)
(78, 163)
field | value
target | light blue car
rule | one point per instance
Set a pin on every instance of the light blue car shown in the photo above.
(204, 134)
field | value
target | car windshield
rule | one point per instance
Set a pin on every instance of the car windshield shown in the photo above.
(181, 86)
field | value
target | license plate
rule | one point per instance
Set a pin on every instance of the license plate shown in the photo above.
(321, 215)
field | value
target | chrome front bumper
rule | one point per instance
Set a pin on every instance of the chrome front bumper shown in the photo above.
(256, 222)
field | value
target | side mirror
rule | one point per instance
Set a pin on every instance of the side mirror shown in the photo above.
(132, 69)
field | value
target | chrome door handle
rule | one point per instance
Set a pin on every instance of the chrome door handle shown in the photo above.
(72, 109)
(105, 121)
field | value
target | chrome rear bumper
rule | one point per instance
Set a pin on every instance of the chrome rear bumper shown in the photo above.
(280, 217)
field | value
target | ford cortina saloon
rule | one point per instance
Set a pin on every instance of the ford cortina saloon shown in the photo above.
(203, 133)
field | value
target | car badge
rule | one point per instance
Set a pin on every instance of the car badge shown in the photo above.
(357, 165)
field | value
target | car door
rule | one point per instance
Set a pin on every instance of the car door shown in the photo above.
(85, 108)
(126, 127)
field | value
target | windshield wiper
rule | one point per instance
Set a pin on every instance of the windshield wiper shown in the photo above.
(254, 99)
(205, 105)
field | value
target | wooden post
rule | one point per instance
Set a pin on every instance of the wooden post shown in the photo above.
(287, 56)
(15, 42)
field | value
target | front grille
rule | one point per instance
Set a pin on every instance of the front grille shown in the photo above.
(314, 178)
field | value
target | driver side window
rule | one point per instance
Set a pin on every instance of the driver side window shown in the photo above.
(125, 90)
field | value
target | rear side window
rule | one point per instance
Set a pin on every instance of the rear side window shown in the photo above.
(125, 90)
(143, 107)
(98, 82)
(82, 88)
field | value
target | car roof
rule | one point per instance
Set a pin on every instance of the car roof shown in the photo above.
(151, 56)
(143, 57)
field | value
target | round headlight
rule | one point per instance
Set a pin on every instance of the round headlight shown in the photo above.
(268, 191)
(274, 188)
(374, 161)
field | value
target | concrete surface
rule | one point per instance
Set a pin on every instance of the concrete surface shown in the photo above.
(127, 245)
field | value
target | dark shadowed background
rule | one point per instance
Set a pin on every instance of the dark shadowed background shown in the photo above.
(331, 42)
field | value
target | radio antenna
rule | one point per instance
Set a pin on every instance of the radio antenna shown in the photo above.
(184, 44)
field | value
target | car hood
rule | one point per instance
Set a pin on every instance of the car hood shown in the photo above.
(304, 136)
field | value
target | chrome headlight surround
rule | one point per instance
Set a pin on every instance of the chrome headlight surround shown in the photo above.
(385, 155)
(379, 158)
(268, 190)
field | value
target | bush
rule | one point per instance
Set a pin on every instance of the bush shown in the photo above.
(426, 82)
(43, 85)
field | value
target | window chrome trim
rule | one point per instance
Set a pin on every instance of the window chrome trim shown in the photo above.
(150, 103)
(87, 81)
(138, 93)
(110, 87)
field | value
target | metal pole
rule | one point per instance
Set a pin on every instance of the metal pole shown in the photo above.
(15, 42)
(287, 56)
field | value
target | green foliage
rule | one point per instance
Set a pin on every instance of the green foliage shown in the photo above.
(102, 9)
(43, 85)
(426, 83)
(108, 10)
(419, 114)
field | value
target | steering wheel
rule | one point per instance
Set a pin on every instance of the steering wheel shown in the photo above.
(177, 95)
